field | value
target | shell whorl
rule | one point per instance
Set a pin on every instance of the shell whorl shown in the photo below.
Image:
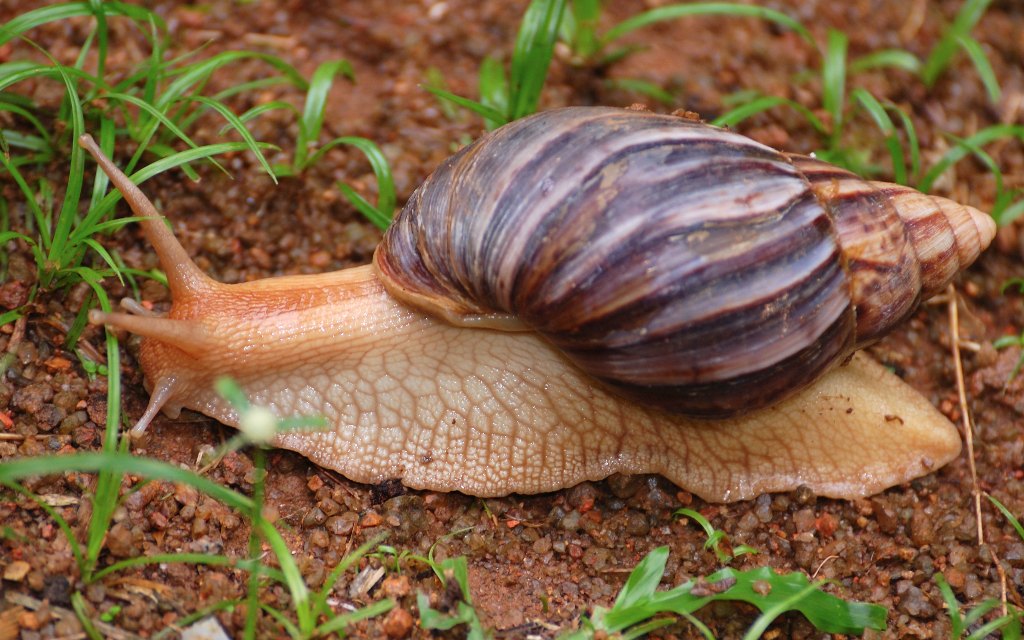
(680, 263)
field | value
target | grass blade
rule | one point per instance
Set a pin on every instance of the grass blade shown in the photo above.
(381, 213)
(1009, 516)
(644, 88)
(55, 13)
(579, 28)
(881, 117)
(156, 168)
(967, 146)
(952, 607)
(942, 54)
(316, 100)
(123, 463)
(644, 579)
(984, 68)
(73, 190)
(535, 45)
(886, 58)
(482, 110)
(196, 74)
(764, 103)
(833, 81)
(239, 126)
(493, 87)
(338, 623)
(674, 11)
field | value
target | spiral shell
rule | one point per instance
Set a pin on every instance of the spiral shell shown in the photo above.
(683, 264)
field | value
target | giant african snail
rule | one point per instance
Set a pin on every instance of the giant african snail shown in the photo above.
(574, 295)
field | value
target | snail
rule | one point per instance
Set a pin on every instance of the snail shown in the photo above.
(582, 292)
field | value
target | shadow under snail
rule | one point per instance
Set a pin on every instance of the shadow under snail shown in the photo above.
(583, 292)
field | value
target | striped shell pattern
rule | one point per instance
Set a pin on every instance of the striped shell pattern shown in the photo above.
(683, 264)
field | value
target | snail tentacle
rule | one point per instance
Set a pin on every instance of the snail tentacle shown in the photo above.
(192, 338)
(160, 398)
(184, 278)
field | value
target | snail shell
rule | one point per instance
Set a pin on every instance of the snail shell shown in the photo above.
(682, 264)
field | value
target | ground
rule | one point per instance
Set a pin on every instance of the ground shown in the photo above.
(536, 563)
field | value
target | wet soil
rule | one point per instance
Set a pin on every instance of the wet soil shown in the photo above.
(536, 563)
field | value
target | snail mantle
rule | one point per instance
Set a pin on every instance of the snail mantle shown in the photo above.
(583, 292)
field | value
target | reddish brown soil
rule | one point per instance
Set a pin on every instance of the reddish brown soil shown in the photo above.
(536, 563)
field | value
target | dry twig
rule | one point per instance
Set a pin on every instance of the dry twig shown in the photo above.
(968, 434)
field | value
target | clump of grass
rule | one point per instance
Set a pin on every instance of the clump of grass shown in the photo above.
(152, 111)
(308, 150)
(313, 616)
(153, 106)
(640, 608)
(156, 104)
(957, 37)
(447, 570)
(841, 106)
(717, 540)
(382, 211)
(961, 623)
(505, 97)
(580, 32)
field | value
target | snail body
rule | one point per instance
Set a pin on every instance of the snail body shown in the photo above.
(576, 294)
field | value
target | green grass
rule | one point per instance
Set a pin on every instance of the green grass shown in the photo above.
(63, 237)
(507, 96)
(452, 569)
(960, 623)
(1012, 340)
(154, 106)
(504, 97)
(640, 608)
(968, 625)
(311, 615)
(717, 540)
(151, 110)
(841, 105)
(957, 37)
(589, 44)
(503, 100)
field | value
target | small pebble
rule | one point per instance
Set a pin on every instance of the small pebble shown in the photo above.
(313, 518)
(120, 542)
(31, 398)
(398, 623)
(342, 524)
(205, 629)
(913, 600)
(884, 516)
(803, 520)
(396, 586)
(17, 570)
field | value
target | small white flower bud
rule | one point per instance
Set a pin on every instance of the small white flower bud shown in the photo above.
(258, 424)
